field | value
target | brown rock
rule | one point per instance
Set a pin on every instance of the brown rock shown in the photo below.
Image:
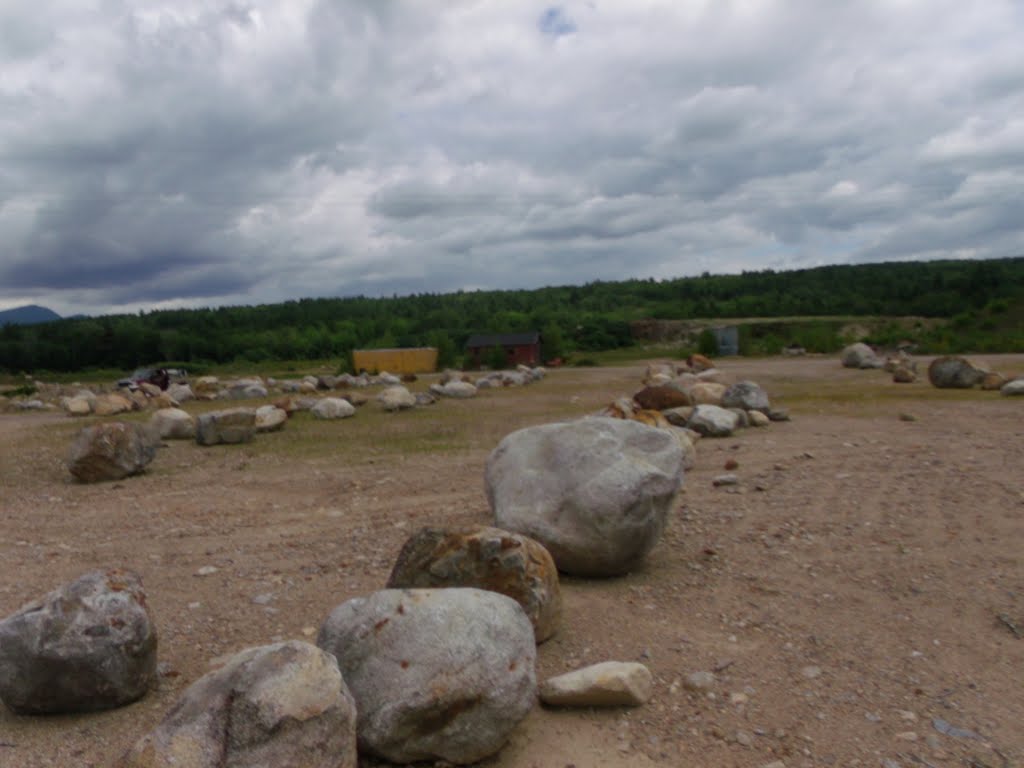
(699, 363)
(903, 375)
(993, 381)
(652, 419)
(485, 558)
(661, 397)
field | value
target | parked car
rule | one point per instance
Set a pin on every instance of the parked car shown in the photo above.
(160, 377)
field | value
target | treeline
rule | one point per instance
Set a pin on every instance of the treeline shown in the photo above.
(590, 317)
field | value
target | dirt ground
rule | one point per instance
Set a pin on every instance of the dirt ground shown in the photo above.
(857, 596)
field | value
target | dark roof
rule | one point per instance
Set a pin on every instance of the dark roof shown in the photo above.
(503, 340)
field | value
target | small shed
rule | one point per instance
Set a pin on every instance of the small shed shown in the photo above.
(407, 360)
(728, 338)
(519, 349)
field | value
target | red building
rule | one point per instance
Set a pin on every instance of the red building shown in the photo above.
(519, 348)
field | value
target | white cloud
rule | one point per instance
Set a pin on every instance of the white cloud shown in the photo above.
(237, 151)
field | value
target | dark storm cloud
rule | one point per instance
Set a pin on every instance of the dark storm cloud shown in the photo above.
(195, 153)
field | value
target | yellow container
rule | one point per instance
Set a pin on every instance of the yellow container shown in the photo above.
(412, 360)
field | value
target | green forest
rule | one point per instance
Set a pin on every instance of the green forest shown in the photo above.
(954, 306)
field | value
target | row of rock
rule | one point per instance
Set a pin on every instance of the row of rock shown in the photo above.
(439, 664)
(947, 372)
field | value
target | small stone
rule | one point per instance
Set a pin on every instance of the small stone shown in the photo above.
(907, 736)
(744, 739)
(738, 698)
(263, 599)
(700, 681)
(811, 672)
(907, 715)
(731, 464)
(908, 417)
(722, 480)
(608, 684)
(871, 717)
(207, 570)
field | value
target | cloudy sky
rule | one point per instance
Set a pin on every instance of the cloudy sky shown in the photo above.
(166, 153)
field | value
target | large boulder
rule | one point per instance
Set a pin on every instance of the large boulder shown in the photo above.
(112, 404)
(333, 408)
(953, 372)
(747, 395)
(707, 393)
(284, 705)
(235, 425)
(77, 406)
(595, 492)
(485, 558)
(181, 393)
(396, 398)
(111, 451)
(860, 355)
(270, 418)
(88, 645)
(713, 421)
(456, 389)
(1013, 388)
(441, 674)
(173, 424)
(662, 397)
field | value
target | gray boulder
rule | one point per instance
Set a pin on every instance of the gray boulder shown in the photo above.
(713, 421)
(270, 418)
(111, 451)
(235, 425)
(87, 646)
(333, 408)
(396, 398)
(173, 424)
(485, 558)
(953, 372)
(860, 355)
(595, 492)
(181, 393)
(747, 395)
(284, 705)
(440, 674)
(456, 389)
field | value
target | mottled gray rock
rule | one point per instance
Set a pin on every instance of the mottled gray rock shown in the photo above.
(276, 706)
(396, 398)
(608, 684)
(88, 645)
(594, 492)
(747, 395)
(713, 421)
(436, 674)
(860, 355)
(245, 389)
(953, 372)
(270, 418)
(485, 558)
(173, 424)
(388, 379)
(333, 408)
(111, 451)
(235, 425)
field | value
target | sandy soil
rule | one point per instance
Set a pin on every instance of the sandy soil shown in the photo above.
(847, 595)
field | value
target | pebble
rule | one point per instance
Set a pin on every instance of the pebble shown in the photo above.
(731, 464)
(738, 698)
(871, 717)
(207, 570)
(745, 739)
(729, 479)
(700, 681)
(907, 736)
(811, 672)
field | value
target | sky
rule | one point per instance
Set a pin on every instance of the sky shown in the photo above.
(182, 153)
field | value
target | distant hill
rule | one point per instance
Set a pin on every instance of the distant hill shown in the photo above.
(30, 314)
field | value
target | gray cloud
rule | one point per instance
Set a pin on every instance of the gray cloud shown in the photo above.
(195, 153)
